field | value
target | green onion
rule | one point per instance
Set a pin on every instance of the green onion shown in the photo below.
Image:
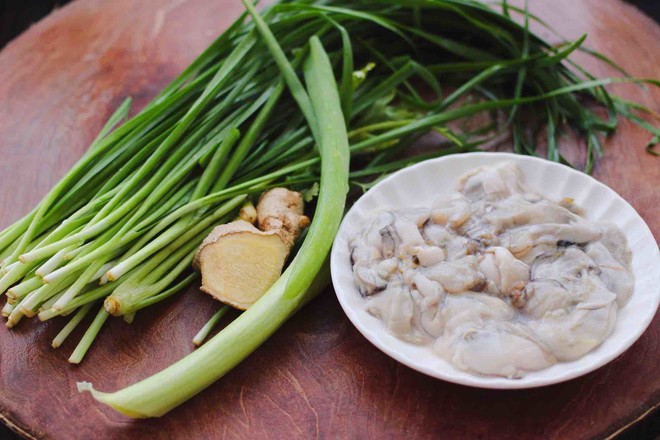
(71, 325)
(208, 327)
(88, 337)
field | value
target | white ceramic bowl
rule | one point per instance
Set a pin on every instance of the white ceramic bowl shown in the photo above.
(420, 184)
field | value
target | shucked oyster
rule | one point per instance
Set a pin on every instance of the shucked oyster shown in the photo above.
(498, 280)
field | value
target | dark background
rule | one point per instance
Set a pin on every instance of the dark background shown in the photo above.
(18, 15)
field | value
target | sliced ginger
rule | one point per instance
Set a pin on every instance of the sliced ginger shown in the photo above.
(239, 262)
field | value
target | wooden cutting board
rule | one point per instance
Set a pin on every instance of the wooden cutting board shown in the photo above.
(317, 377)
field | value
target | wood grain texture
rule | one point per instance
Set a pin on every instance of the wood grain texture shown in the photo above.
(317, 377)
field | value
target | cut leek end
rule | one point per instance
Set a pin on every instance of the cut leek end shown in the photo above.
(112, 306)
(107, 399)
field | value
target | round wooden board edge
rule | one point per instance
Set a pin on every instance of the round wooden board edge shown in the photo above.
(23, 432)
(639, 417)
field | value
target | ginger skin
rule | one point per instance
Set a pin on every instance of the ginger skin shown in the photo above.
(281, 210)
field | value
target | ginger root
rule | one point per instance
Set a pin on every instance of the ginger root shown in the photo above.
(281, 210)
(239, 262)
